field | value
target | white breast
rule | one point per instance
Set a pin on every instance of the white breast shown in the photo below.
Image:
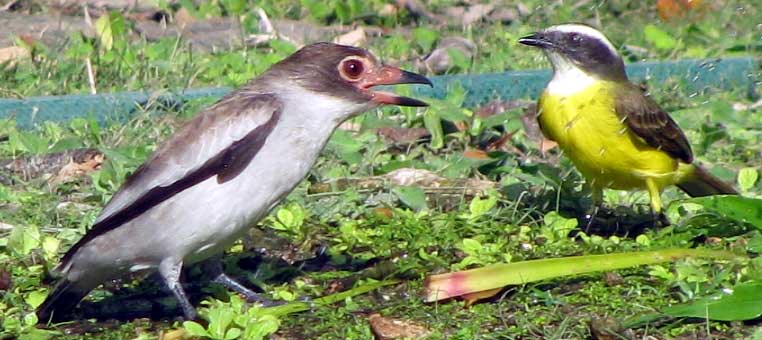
(567, 78)
(206, 218)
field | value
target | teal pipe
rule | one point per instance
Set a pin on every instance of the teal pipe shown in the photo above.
(696, 75)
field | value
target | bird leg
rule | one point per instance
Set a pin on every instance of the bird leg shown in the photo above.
(219, 276)
(170, 271)
(655, 194)
(660, 220)
(597, 196)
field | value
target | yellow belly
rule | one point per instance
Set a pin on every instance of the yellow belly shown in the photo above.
(602, 147)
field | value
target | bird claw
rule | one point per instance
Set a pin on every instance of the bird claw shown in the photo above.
(661, 220)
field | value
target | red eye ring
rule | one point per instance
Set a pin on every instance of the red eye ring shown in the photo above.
(352, 68)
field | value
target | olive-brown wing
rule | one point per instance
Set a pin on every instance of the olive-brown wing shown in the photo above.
(649, 121)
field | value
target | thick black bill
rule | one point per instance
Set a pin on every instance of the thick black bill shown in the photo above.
(536, 39)
(389, 75)
(406, 77)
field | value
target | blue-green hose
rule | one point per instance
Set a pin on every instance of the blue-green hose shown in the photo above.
(697, 75)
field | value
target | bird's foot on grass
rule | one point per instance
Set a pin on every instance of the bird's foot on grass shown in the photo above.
(661, 220)
(247, 293)
(590, 216)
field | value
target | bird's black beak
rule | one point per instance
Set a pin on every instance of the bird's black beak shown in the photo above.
(389, 75)
(537, 39)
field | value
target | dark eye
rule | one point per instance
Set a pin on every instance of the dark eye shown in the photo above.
(575, 37)
(352, 68)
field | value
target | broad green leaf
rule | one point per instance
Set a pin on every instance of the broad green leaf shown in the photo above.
(286, 217)
(413, 197)
(347, 145)
(24, 239)
(459, 59)
(195, 329)
(266, 325)
(29, 142)
(30, 319)
(661, 39)
(105, 34)
(443, 286)
(433, 123)
(755, 244)
(219, 320)
(425, 37)
(343, 13)
(739, 208)
(478, 207)
(36, 297)
(236, 7)
(319, 9)
(742, 302)
(50, 246)
(471, 246)
(557, 226)
(233, 333)
(299, 306)
(747, 177)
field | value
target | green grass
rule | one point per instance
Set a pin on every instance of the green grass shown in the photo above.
(409, 244)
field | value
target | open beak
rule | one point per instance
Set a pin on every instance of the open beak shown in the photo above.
(389, 75)
(536, 39)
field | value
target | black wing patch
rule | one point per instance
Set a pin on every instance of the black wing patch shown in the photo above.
(227, 164)
(236, 157)
(649, 121)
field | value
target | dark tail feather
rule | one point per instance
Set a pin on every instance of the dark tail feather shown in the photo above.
(63, 299)
(701, 183)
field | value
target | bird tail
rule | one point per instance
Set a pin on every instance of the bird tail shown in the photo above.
(63, 299)
(698, 182)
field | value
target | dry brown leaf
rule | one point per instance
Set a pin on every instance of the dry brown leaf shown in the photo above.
(613, 279)
(476, 13)
(439, 60)
(388, 10)
(183, 18)
(607, 328)
(403, 135)
(409, 176)
(350, 126)
(473, 298)
(383, 212)
(419, 10)
(532, 128)
(174, 334)
(75, 169)
(504, 15)
(433, 185)
(547, 145)
(385, 328)
(357, 37)
(11, 55)
(675, 9)
(6, 280)
(475, 154)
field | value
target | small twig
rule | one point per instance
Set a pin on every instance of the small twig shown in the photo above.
(8, 6)
(747, 107)
(338, 193)
(90, 75)
(264, 22)
(88, 20)
(88, 63)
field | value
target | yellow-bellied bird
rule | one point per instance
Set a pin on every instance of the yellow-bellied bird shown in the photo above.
(222, 172)
(613, 132)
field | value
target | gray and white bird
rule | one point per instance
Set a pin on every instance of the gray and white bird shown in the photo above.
(224, 171)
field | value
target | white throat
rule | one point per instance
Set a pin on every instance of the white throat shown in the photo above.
(314, 108)
(567, 77)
